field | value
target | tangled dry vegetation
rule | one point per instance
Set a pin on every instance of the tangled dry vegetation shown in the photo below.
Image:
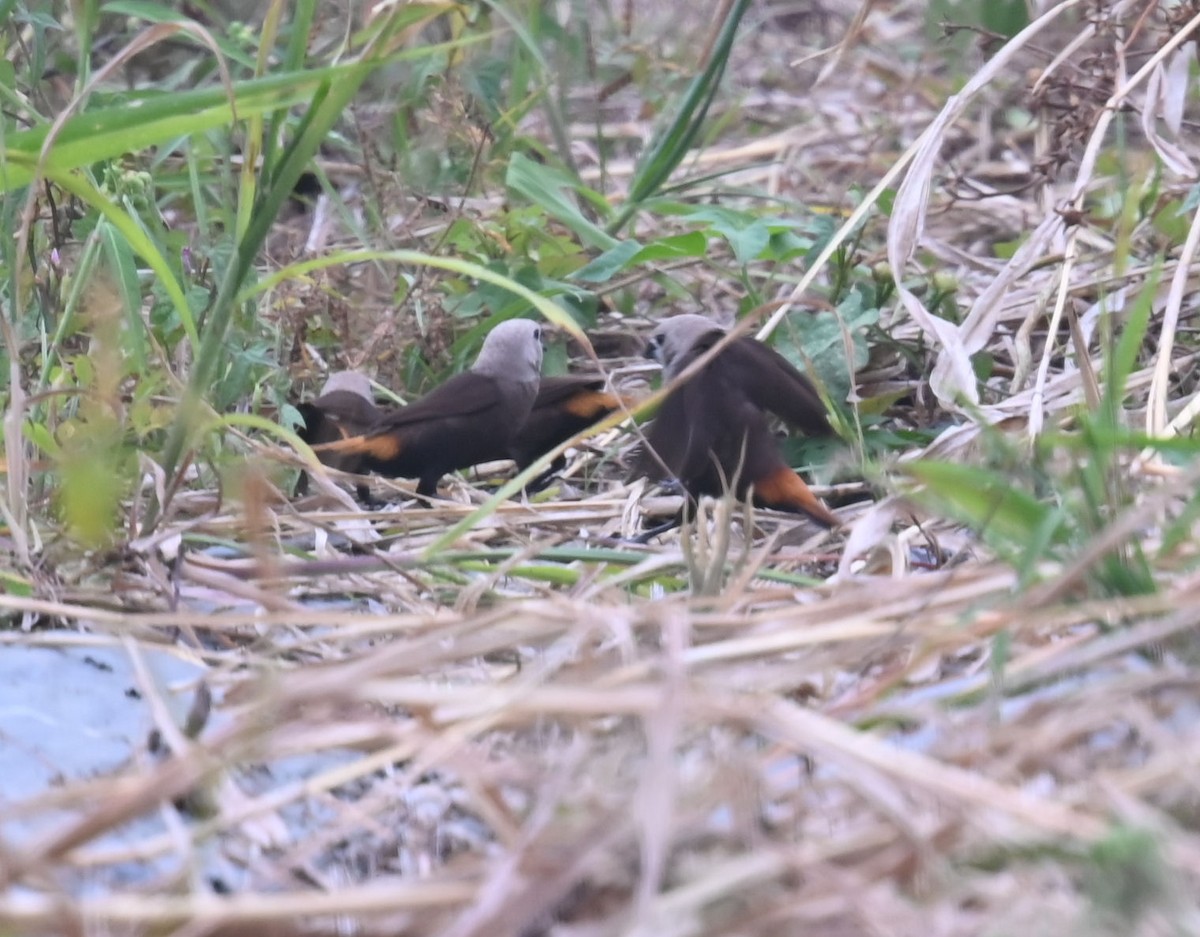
(535, 728)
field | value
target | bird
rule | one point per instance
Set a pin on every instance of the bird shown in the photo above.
(344, 408)
(712, 432)
(471, 418)
(564, 407)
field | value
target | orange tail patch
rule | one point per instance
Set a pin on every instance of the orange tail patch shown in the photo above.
(784, 490)
(384, 447)
(592, 404)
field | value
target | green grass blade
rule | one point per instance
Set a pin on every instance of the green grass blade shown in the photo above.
(988, 502)
(547, 309)
(671, 146)
(152, 119)
(1122, 359)
(136, 237)
(544, 186)
(329, 100)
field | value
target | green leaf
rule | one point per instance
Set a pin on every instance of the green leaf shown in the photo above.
(1173, 222)
(988, 502)
(748, 235)
(121, 262)
(630, 254)
(13, 583)
(136, 237)
(152, 119)
(1006, 17)
(675, 247)
(749, 243)
(1122, 360)
(608, 264)
(40, 436)
(815, 342)
(155, 12)
(546, 187)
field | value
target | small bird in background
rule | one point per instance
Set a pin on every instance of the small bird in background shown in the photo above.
(564, 406)
(712, 432)
(345, 408)
(471, 418)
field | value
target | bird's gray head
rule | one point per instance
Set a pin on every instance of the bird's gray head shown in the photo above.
(512, 351)
(353, 381)
(674, 337)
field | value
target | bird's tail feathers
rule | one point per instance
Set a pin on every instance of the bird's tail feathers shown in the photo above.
(784, 490)
(383, 447)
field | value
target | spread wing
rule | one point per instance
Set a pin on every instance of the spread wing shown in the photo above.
(773, 384)
(702, 419)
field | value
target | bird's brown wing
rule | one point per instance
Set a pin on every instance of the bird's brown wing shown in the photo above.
(462, 395)
(467, 420)
(713, 438)
(773, 384)
(553, 391)
(712, 433)
(680, 441)
(564, 406)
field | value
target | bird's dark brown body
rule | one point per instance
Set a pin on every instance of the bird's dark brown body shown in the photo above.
(471, 418)
(564, 407)
(344, 409)
(712, 433)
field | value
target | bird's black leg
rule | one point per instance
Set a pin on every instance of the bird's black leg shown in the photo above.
(546, 477)
(647, 535)
(427, 488)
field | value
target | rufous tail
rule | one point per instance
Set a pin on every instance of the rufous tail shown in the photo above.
(784, 490)
(384, 447)
(593, 404)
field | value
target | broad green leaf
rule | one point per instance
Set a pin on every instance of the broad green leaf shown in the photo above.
(630, 254)
(749, 243)
(39, 434)
(748, 235)
(546, 187)
(608, 264)
(816, 343)
(880, 403)
(677, 246)
(1006, 17)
